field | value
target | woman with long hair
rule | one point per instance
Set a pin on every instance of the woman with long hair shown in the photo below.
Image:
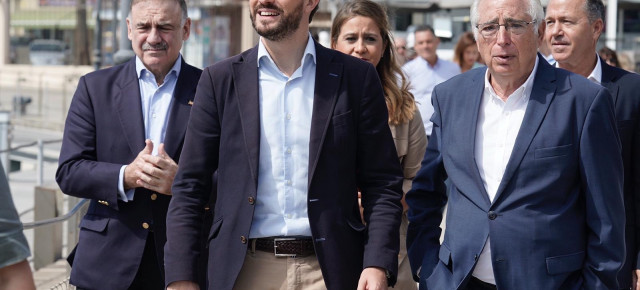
(466, 53)
(361, 29)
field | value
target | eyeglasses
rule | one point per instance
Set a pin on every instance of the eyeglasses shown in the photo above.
(516, 27)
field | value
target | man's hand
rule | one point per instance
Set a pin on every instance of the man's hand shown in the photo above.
(155, 173)
(373, 278)
(635, 285)
(183, 285)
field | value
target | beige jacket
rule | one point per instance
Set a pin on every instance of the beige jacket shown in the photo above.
(411, 143)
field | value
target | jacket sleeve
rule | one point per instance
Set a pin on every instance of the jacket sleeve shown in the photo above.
(79, 172)
(379, 178)
(426, 201)
(602, 176)
(192, 186)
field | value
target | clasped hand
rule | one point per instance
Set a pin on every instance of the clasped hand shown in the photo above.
(153, 172)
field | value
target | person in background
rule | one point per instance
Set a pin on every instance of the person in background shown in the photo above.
(122, 139)
(466, 54)
(609, 56)
(573, 30)
(401, 50)
(626, 62)
(15, 272)
(361, 29)
(426, 71)
(534, 159)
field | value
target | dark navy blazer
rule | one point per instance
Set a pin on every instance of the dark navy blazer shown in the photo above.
(105, 130)
(624, 87)
(557, 220)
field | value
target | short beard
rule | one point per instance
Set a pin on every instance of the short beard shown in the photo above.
(283, 29)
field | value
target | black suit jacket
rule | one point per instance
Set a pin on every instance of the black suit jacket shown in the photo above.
(350, 148)
(624, 87)
(104, 130)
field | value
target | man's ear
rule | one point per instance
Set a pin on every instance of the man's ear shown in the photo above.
(312, 4)
(129, 29)
(186, 29)
(597, 27)
(541, 29)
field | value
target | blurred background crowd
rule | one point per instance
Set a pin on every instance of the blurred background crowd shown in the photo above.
(91, 32)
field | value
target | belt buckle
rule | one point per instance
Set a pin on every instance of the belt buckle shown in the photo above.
(275, 247)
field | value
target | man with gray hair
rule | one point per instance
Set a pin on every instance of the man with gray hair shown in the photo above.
(533, 156)
(573, 29)
(122, 139)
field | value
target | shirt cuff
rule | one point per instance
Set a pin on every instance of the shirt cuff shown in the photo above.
(122, 195)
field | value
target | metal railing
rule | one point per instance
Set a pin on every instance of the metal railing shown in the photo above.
(62, 218)
(39, 156)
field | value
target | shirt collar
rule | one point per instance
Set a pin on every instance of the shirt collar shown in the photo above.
(427, 62)
(310, 49)
(596, 74)
(175, 68)
(524, 91)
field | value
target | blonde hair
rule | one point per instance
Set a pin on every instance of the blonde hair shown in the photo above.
(400, 101)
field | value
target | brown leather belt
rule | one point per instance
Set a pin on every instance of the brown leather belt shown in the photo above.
(286, 246)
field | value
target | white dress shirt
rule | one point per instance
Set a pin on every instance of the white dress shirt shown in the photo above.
(498, 126)
(156, 101)
(595, 75)
(286, 106)
(423, 78)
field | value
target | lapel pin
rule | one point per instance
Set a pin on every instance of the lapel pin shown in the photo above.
(333, 75)
(190, 103)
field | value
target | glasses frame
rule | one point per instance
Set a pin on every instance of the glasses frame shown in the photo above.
(507, 26)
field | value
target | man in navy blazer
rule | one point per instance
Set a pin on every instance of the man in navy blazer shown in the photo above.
(106, 159)
(534, 160)
(341, 144)
(573, 45)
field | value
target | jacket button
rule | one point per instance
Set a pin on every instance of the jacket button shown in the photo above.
(492, 215)
(252, 200)
(206, 208)
(243, 239)
(145, 226)
(154, 196)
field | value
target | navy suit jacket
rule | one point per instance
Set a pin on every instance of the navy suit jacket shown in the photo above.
(557, 220)
(104, 131)
(350, 148)
(624, 87)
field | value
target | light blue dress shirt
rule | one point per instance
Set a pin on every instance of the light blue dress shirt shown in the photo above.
(423, 78)
(156, 102)
(286, 106)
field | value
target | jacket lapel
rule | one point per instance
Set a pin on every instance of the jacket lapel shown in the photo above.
(180, 108)
(544, 88)
(245, 78)
(328, 76)
(129, 107)
(470, 116)
(608, 80)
